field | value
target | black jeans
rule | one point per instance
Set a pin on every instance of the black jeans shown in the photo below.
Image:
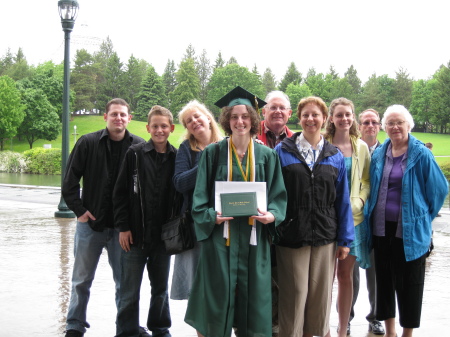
(133, 265)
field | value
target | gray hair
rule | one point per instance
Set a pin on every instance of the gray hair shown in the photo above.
(278, 94)
(399, 109)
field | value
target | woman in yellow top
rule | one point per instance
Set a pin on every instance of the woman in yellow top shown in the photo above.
(341, 130)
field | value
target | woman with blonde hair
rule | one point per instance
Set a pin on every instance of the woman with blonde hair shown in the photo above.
(342, 131)
(201, 130)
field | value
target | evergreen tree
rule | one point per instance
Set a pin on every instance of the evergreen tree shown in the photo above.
(83, 81)
(204, 73)
(151, 93)
(420, 107)
(220, 63)
(188, 87)
(295, 93)
(232, 60)
(113, 83)
(190, 53)
(169, 82)
(403, 86)
(268, 81)
(352, 77)
(6, 62)
(132, 80)
(292, 76)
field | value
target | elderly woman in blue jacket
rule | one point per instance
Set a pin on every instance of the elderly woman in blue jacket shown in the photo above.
(407, 191)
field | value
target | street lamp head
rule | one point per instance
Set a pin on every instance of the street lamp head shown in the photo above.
(68, 11)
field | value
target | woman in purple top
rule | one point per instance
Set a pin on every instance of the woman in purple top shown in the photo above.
(407, 191)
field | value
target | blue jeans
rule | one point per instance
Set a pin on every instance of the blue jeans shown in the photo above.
(158, 266)
(88, 248)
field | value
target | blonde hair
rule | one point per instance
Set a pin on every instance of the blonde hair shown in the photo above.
(195, 105)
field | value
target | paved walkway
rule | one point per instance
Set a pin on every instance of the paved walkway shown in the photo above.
(36, 264)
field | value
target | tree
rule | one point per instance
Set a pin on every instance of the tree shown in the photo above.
(440, 98)
(11, 109)
(377, 93)
(41, 120)
(132, 79)
(6, 62)
(113, 84)
(83, 81)
(190, 53)
(319, 85)
(292, 75)
(295, 93)
(232, 60)
(341, 88)
(351, 75)
(204, 73)
(220, 63)
(403, 86)
(268, 81)
(169, 82)
(151, 93)
(20, 68)
(227, 78)
(101, 59)
(420, 107)
(188, 87)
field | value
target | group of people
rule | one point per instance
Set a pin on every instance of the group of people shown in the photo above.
(336, 200)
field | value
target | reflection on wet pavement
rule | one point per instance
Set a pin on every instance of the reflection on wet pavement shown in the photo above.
(36, 265)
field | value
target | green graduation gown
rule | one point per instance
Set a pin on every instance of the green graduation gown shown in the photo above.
(232, 286)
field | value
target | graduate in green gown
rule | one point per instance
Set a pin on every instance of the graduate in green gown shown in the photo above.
(232, 286)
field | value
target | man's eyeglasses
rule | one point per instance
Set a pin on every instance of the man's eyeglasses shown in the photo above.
(274, 108)
(368, 123)
(392, 124)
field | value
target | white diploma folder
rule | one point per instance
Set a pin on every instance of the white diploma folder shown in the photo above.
(241, 186)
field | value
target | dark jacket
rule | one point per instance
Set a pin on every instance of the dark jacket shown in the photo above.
(144, 194)
(90, 159)
(318, 210)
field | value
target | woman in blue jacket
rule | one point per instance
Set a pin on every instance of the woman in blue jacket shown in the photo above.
(407, 191)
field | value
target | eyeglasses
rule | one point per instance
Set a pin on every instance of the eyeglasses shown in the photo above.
(368, 123)
(274, 108)
(392, 124)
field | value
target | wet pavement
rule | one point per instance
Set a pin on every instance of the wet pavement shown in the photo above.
(36, 265)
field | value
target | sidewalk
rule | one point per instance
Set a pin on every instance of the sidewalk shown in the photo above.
(36, 266)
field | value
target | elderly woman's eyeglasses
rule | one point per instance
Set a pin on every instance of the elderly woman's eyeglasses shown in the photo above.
(392, 124)
(370, 122)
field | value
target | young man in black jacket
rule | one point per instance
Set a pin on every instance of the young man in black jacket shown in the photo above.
(143, 201)
(96, 158)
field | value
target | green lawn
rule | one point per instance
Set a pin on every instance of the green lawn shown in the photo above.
(86, 124)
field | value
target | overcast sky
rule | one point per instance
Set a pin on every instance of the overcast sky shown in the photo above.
(375, 36)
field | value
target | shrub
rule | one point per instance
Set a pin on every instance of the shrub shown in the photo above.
(445, 167)
(43, 161)
(12, 162)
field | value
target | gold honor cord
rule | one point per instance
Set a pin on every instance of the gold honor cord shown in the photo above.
(245, 175)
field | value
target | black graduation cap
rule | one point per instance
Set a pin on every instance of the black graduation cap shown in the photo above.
(239, 96)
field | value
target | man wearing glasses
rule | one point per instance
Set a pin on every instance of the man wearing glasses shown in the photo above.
(369, 126)
(276, 113)
(272, 131)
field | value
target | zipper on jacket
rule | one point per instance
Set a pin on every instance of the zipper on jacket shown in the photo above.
(140, 200)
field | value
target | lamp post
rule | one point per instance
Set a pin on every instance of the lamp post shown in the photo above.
(68, 11)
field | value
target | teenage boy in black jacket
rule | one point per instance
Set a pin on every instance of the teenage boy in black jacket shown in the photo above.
(143, 201)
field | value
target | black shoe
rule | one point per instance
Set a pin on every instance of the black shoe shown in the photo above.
(74, 333)
(376, 327)
(348, 329)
